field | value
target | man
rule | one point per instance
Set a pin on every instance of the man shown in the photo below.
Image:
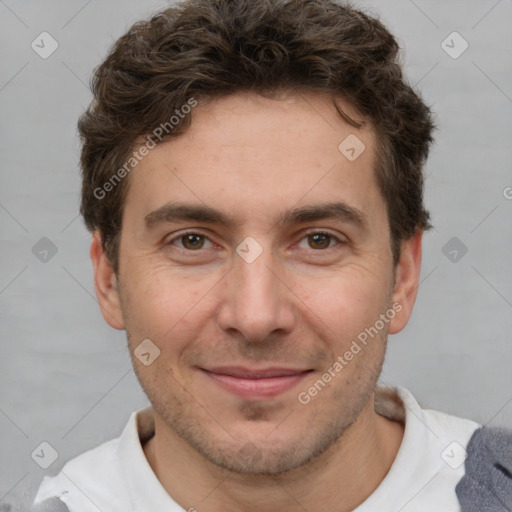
(252, 177)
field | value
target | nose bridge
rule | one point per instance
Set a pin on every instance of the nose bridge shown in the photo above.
(255, 301)
(256, 281)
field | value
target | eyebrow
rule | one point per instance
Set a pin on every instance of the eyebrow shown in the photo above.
(176, 211)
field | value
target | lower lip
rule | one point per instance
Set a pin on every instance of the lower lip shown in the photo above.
(256, 388)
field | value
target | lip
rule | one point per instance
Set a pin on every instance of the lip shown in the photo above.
(254, 384)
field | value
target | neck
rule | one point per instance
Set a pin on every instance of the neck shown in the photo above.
(339, 479)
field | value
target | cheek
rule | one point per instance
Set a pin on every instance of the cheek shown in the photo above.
(345, 303)
(159, 306)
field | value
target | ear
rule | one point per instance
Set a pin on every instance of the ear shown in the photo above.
(406, 282)
(105, 284)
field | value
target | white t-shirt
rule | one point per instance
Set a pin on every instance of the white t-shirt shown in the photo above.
(116, 476)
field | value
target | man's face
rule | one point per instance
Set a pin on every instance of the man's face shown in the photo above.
(249, 315)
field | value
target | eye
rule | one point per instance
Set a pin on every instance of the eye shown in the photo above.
(190, 241)
(320, 240)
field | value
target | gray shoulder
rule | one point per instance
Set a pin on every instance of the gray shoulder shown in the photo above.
(50, 505)
(487, 483)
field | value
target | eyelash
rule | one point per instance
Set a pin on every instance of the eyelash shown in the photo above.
(306, 235)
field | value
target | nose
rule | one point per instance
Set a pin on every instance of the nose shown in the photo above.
(256, 303)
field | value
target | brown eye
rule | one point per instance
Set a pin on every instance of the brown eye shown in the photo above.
(192, 241)
(319, 240)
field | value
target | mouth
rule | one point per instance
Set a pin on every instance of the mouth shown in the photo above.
(258, 383)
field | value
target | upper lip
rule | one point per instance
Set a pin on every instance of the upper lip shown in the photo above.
(246, 373)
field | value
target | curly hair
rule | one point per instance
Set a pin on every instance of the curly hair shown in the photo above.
(206, 49)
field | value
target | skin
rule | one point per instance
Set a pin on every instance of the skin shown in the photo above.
(300, 304)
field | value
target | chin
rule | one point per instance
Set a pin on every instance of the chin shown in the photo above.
(256, 449)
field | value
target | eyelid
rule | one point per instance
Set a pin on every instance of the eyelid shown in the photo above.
(185, 233)
(312, 231)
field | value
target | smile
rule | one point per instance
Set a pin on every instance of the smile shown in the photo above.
(256, 384)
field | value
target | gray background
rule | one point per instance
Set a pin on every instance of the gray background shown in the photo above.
(65, 375)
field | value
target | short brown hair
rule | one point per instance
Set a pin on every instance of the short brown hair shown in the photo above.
(205, 49)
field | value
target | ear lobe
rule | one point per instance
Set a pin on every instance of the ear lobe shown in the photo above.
(105, 284)
(406, 282)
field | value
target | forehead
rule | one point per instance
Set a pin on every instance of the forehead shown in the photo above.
(260, 153)
(297, 123)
